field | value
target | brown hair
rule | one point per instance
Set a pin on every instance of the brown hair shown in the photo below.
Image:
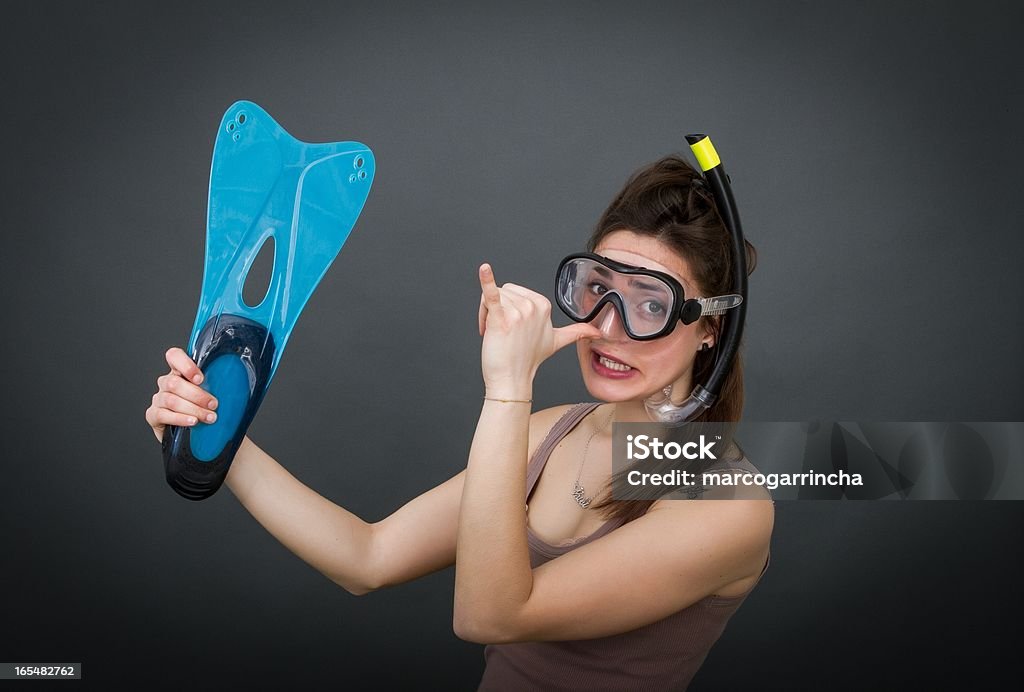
(669, 200)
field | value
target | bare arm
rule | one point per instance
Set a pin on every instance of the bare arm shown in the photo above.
(666, 560)
(417, 539)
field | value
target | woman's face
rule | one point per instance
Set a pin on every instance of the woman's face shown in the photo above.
(651, 365)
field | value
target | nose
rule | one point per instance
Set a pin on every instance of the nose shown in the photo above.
(610, 323)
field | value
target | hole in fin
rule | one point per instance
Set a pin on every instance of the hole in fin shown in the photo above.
(257, 281)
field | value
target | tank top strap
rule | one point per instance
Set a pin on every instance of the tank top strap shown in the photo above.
(569, 420)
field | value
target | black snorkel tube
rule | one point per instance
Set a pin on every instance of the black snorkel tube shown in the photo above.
(704, 396)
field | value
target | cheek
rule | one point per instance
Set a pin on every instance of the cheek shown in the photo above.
(675, 352)
(674, 345)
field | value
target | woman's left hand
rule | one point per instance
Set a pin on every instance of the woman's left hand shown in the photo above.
(515, 323)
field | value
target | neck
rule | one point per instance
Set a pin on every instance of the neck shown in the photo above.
(630, 412)
(636, 412)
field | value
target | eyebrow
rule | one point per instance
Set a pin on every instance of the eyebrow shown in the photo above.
(644, 285)
(604, 271)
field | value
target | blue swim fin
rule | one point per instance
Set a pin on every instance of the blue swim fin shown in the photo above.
(263, 183)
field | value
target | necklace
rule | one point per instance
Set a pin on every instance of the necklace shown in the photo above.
(577, 492)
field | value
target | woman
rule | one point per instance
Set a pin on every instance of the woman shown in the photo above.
(570, 589)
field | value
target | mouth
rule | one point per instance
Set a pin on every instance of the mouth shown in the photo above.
(606, 366)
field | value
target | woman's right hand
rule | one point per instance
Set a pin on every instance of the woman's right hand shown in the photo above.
(179, 399)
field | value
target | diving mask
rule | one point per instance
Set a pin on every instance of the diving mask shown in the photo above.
(649, 302)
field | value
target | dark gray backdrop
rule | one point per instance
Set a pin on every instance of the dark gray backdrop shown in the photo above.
(873, 150)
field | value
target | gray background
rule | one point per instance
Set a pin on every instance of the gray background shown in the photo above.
(873, 149)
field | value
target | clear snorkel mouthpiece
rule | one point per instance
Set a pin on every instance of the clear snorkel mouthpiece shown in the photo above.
(660, 408)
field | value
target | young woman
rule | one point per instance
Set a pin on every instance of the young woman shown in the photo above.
(569, 588)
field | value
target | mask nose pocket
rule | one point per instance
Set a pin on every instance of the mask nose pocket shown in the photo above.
(609, 321)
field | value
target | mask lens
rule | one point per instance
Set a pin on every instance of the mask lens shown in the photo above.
(571, 288)
(584, 283)
(649, 304)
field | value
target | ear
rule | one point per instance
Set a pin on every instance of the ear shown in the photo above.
(712, 327)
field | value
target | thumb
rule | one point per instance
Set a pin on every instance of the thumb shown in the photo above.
(573, 333)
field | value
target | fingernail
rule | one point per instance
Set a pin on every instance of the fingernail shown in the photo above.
(210, 417)
(213, 404)
(198, 379)
(191, 420)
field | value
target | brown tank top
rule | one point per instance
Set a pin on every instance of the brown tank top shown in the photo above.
(663, 655)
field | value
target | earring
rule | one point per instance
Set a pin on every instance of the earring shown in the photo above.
(705, 347)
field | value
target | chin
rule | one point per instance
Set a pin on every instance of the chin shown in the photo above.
(613, 394)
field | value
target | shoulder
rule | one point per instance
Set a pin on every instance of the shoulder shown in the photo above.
(727, 493)
(734, 478)
(541, 423)
(549, 416)
(741, 526)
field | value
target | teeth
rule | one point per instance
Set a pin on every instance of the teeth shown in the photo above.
(613, 365)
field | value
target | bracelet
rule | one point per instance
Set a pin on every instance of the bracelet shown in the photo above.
(508, 401)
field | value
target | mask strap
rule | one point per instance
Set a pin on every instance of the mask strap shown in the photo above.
(694, 308)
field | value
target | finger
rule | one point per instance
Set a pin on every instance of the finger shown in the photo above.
(573, 333)
(492, 296)
(511, 298)
(522, 291)
(173, 402)
(186, 390)
(541, 303)
(511, 310)
(521, 297)
(507, 304)
(519, 293)
(179, 360)
(162, 416)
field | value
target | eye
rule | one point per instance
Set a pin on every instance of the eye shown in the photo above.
(597, 288)
(653, 308)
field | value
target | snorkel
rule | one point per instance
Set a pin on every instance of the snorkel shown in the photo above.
(660, 407)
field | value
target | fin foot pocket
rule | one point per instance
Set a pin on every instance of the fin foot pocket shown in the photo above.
(236, 356)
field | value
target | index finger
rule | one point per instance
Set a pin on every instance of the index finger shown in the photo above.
(180, 362)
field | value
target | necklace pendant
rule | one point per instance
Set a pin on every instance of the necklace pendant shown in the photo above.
(577, 495)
